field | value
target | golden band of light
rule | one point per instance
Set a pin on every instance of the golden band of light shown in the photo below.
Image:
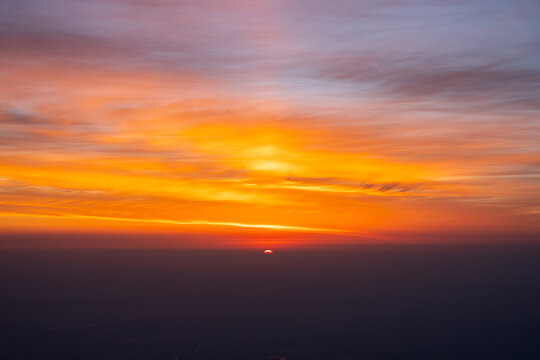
(192, 222)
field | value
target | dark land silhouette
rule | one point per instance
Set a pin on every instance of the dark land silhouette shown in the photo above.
(364, 302)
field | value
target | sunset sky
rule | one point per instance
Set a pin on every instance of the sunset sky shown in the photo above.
(289, 120)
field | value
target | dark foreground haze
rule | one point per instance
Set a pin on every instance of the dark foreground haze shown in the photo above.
(367, 302)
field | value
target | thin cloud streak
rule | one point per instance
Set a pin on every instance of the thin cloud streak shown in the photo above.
(193, 222)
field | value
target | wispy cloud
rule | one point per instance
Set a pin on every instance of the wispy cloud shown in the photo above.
(192, 223)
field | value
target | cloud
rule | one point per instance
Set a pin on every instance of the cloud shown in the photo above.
(460, 88)
(348, 115)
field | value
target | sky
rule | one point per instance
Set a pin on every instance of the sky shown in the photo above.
(297, 121)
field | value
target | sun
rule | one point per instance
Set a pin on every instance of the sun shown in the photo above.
(268, 251)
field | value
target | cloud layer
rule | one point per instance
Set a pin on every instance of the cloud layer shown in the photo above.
(350, 116)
